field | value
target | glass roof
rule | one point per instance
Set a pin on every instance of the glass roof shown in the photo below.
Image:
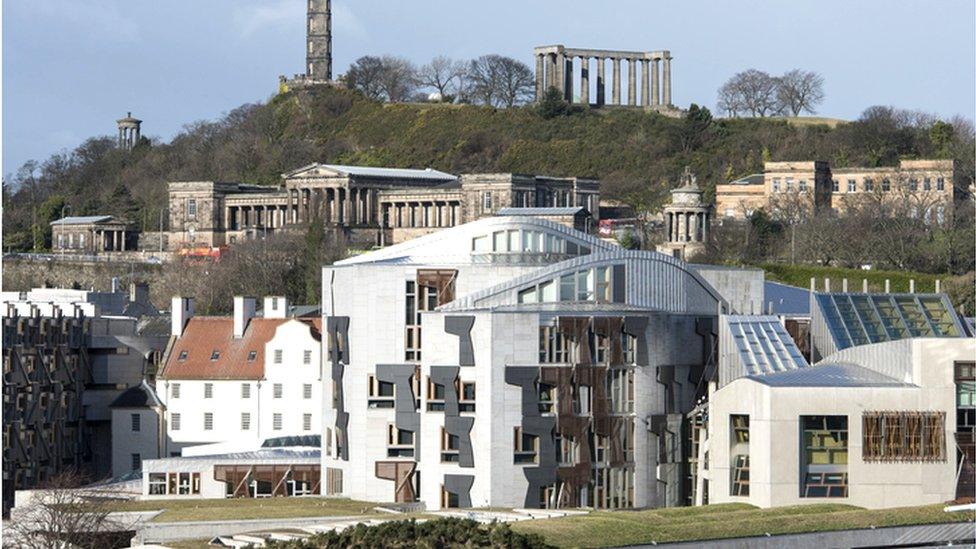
(860, 319)
(764, 345)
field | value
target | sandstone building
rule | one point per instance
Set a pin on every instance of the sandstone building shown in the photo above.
(371, 206)
(91, 234)
(936, 184)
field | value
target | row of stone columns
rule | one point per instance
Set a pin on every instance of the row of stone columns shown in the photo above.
(334, 205)
(109, 241)
(128, 137)
(555, 70)
(265, 216)
(421, 214)
(690, 226)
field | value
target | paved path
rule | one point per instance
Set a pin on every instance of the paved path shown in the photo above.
(160, 532)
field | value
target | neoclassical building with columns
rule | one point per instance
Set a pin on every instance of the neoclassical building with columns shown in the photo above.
(554, 69)
(371, 206)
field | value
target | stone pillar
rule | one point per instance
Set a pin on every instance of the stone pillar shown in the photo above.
(616, 80)
(551, 71)
(601, 83)
(370, 207)
(667, 80)
(540, 77)
(655, 94)
(632, 82)
(568, 79)
(561, 73)
(645, 82)
(693, 227)
(585, 80)
(346, 207)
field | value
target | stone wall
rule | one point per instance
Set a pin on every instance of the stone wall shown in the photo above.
(22, 275)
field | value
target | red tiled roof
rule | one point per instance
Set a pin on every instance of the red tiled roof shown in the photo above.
(204, 335)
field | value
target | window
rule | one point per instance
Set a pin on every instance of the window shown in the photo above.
(620, 390)
(215, 355)
(965, 377)
(803, 185)
(380, 393)
(789, 184)
(333, 481)
(208, 390)
(868, 185)
(450, 447)
(547, 398)
(526, 447)
(245, 421)
(157, 484)
(927, 184)
(851, 186)
(412, 342)
(904, 436)
(182, 357)
(435, 396)
(613, 488)
(885, 185)
(824, 440)
(486, 201)
(277, 356)
(307, 391)
(208, 421)
(277, 390)
(136, 462)
(174, 421)
(776, 185)
(191, 208)
(251, 355)
(567, 450)
(276, 422)
(399, 442)
(913, 184)
(835, 186)
(739, 454)
(306, 357)
(466, 397)
(449, 500)
(554, 346)
(602, 290)
(306, 422)
(136, 422)
(940, 183)
(245, 390)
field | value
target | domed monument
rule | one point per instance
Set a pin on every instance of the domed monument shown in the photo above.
(688, 220)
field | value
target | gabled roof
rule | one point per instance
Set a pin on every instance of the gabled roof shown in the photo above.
(204, 335)
(85, 220)
(829, 375)
(366, 171)
(138, 396)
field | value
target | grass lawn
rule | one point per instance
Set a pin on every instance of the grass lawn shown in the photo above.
(610, 528)
(799, 275)
(246, 508)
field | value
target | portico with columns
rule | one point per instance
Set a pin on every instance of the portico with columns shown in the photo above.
(555, 69)
(687, 220)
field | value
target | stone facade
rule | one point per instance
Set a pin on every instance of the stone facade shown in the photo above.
(936, 183)
(91, 235)
(130, 131)
(688, 220)
(370, 206)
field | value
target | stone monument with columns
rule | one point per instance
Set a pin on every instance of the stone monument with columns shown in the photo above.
(554, 68)
(129, 131)
(687, 220)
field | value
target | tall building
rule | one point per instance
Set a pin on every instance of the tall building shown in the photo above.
(521, 364)
(318, 55)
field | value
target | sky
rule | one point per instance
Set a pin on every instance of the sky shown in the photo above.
(72, 67)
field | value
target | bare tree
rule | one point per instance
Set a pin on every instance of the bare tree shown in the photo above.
(752, 91)
(800, 91)
(398, 78)
(443, 74)
(501, 81)
(365, 75)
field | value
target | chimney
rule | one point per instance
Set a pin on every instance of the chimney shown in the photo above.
(864, 285)
(844, 285)
(115, 284)
(887, 286)
(827, 285)
(938, 286)
(139, 293)
(911, 286)
(275, 306)
(243, 313)
(181, 312)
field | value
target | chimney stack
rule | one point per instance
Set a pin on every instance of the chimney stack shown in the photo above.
(938, 286)
(139, 293)
(181, 312)
(275, 306)
(244, 308)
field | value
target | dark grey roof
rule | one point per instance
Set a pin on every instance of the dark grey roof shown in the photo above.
(787, 300)
(313, 441)
(568, 210)
(829, 375)
(81, 220)
(138, 396)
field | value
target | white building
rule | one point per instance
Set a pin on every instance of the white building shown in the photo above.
(231, 382)
(886, 419)
(138, 432)
(513, 362)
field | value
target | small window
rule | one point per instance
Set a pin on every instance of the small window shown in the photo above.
(245, 421)
(940, 184)
(175, 390)
(885, 185)
(851, 186)
(913, 184)
(927, 184)
(486, 201)
(435, 396)
(245, 390)
(157, 484)
(803, 185)
(174, 421)
(466, 400)
(208, 421)
(277, 390)
(251, 356)
(182, 357)
(306, 422)
(136, 422)
(307, 391)
(277, 356)
(274, 303)
(835, 186)
(450, 447)
(136, 462)
(208, 390)
(776, 185)
(307, 357)
(526, 447)
(868, 185)
(215, 355)
(191, 207)
(276, 422)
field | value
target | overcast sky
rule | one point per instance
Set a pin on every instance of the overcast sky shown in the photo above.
(72, 67)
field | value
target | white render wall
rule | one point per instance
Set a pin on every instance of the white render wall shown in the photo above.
(774, 433)
(144, 442)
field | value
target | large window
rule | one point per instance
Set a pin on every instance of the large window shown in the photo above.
(739, 454)
(965, 398)
(381, 393)
(399, 442)
(588, 285)
(620, 390)
(450, 447)
(904, 436)
(613, 488)
(157, 484)
(554, 346)
(526, 447)
(824, 440)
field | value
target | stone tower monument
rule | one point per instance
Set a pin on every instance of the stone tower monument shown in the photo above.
(129, 132)
(688, 220)
(318, 55)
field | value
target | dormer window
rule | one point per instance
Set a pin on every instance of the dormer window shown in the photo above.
(215, 355)
(251, 356)
(182, 356)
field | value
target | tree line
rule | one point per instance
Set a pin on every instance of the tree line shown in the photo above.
(756, 93)
(493, 80)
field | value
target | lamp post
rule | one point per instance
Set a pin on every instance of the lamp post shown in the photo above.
(161, 210)
(61, 243)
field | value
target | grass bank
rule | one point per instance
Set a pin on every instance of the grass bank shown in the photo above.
(246, 508)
